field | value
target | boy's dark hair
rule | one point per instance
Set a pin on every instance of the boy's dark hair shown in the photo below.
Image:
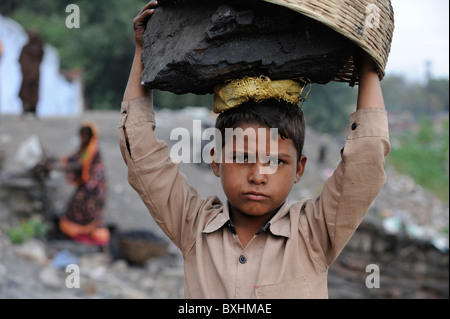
(286, 117)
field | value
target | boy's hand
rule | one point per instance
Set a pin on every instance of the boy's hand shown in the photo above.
(369, 92)
(141, 20)
(366, 64)
(134, 89)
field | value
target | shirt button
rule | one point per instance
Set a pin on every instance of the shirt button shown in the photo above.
(354, 126)
(242, 259)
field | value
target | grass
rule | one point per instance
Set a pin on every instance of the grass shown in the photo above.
(27, 229)
(424, 155)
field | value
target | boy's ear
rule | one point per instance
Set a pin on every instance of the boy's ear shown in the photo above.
(215, 163)
(300, 168)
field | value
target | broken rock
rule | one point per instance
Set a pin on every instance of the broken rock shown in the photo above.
(192, 46)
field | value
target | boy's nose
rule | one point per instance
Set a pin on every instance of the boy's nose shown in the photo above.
(255, 176)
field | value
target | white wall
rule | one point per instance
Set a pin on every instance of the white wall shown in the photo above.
(57, 96)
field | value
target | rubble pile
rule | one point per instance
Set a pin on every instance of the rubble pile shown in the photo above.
(404, 236)
(191, 51)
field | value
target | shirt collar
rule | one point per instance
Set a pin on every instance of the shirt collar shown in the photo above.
(217, 222)
(278, 225)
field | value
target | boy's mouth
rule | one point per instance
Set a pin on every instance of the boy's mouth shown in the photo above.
(256, 196)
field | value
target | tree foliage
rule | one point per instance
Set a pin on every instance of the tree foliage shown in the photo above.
(424, 155)
(103, 49)
(415, 97)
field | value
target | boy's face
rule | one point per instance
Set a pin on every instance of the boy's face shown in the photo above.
(254, 187)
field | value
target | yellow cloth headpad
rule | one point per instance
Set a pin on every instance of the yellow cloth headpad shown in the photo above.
(239, 91)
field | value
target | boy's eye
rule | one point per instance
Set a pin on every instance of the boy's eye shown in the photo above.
(275, 161)
(243, 158)
(239, 158)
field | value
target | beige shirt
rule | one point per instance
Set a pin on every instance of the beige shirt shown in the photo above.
(290, 257)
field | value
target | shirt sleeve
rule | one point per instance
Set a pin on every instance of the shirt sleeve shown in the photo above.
(330, 220)
(171, 201)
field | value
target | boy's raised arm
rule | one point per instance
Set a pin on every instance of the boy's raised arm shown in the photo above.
(169, 198)
(134, 88)
(369, 92)
(349, 193)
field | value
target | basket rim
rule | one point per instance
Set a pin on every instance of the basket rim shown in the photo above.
(376, 43)
(300, 8)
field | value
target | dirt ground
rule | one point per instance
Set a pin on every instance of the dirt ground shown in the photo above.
(27, 274)
(59, 137)
(26, 271)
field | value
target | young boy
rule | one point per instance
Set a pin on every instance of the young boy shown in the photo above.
(256, 245)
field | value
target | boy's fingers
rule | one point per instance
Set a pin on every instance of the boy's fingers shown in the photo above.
(141, 20)
(152, 3)
(144, 15)
(146, 12)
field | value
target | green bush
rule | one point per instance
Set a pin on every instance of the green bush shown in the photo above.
(424, 155)
(32, 228)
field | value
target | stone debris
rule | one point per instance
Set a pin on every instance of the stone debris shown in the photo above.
(187, 50)
(405, 233)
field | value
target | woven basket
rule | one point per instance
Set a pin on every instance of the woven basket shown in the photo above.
(139, 246)
(368, 23)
